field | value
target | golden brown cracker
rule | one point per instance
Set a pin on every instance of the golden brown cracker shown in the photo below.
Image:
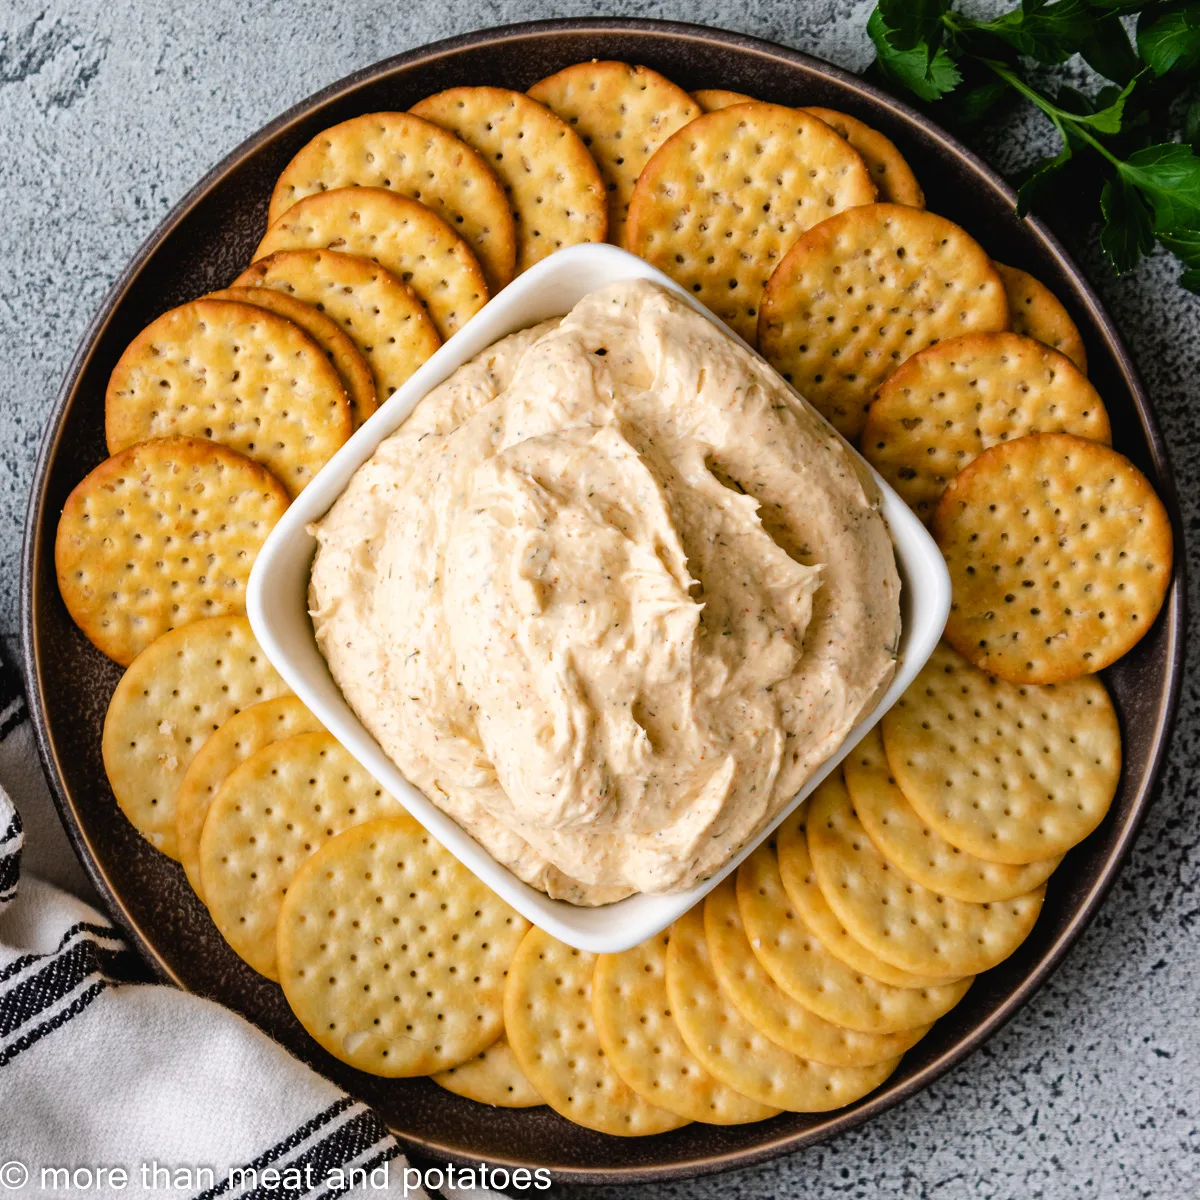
(1038, 313)
(380, 313)
(723, 199)
(340, 349)
(623, 114)
(392, 954)
(916, 848)
(401, 235)
(937, 412)
(1059, 552)
(418, 159)
(640, 1039)
(767, 1007)
(863, 291)
(548, 1018)
(893, 177)
(492, 1077)
(552, 182)
(1012, 773)
(175, 695)
(713, 99)
(272, 813)
(160, 535)
(901, 921)
(242, 735)
(732, 1050)
(236, 374)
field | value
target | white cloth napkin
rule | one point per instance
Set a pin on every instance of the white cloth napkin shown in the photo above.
(110, 1087)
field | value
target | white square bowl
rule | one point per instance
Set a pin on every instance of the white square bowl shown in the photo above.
(277, 603)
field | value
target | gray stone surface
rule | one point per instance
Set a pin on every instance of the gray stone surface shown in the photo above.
(111, 110)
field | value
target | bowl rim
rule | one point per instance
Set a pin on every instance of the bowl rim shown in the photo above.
(1173, 615)
(284, 565)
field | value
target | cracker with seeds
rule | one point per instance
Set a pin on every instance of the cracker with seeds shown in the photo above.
(795, 958)
(1059, 552)
(340, 349)
(238, 375)
(1011, 773)
(893, 177)
(418, 159)
(806, 897)
(641, 1040)
(901, 921)
(160, 535)
(772, 1011)
(722, 201)
(272, 813)
(865, 290)
(714, 99)
(243, 734)
(915, 848)
(381, 314)
(392, 954)
(623, 114)
(401, 235)
(732, 1050)
(1038, 313)
(937, 412)
(175, 695)
(548, 1018)
(552, 182)
(492, 1077)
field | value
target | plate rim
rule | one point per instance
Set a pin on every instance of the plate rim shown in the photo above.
(1173, 616)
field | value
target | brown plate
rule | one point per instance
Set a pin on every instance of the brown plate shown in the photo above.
(204, 242)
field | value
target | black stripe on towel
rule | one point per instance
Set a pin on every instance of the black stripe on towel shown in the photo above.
(11, 843)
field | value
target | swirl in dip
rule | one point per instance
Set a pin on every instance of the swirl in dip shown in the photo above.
(609, 596)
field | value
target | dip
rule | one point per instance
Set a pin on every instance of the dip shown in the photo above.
(609, 596)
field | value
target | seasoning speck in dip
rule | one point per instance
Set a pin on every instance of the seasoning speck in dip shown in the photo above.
(609, 596)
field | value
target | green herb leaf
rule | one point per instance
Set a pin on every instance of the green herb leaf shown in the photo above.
(1048, 32)
(1127, 234)
(1122, 7)
(1108, 50)
(1191, 125)
(975, 103)
(913, 23)
(1184, 244)
(1190, 280)
(927, 77)
(1033, 188)
(1170, 40)
(1108, 119)
(1168, 175)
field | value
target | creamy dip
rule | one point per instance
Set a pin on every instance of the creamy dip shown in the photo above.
(609, 596)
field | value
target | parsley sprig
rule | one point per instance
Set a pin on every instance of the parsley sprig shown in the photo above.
(1136, 138)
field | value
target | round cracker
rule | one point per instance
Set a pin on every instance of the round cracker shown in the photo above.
(713, 99)
(548, 1017)
(772, 1011)
(492, 1077)
(160, 535)
(392, 954)
(633, 1021)
(175, 695)
(623, 114)
(272, 813)
(244, 734)
(863, 291)
(341, 351)
(418, 159)
(1011, 773)
(732, 1050)
(236, 374)
(552, 182)
(722, 201)
(1059, 552)
(901, 921)
(401, 235)
(795, 958)
(916, 848)
(805, 895)
(1038, 313)
(380, 313)
(937, 412)
(893, 177)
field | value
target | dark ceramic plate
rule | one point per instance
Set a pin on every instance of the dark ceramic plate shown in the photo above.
(204, 242)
